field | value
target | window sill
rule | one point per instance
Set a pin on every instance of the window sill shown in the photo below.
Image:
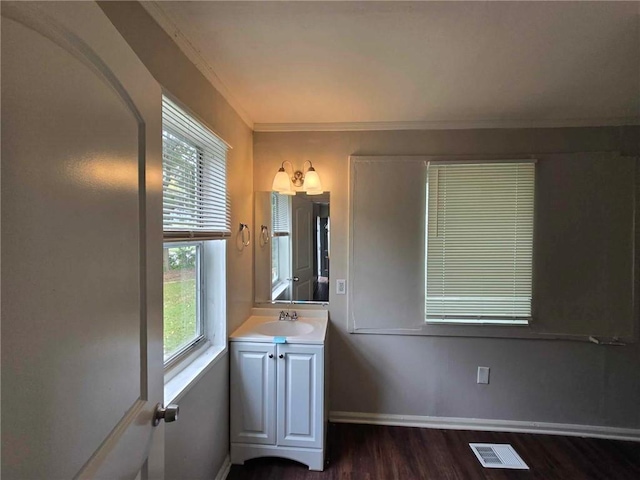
(475, 323)
(188, 376)
(512, 331)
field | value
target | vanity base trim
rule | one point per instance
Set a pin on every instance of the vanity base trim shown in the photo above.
(312, 457)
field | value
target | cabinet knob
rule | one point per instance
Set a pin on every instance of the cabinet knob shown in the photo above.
(271, 355)
(281, 356)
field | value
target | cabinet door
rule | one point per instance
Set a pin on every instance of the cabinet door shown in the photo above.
(300, 395)
(253, 393)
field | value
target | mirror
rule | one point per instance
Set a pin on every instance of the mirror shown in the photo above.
(291, 248)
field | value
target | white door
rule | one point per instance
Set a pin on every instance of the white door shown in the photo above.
(302, 247)
(81, 248)
(300, 395)
(253, 393)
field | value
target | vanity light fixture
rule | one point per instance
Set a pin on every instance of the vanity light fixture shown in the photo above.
(309, 181)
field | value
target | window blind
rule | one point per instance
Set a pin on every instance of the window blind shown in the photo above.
(479, 242)
(194, 178)
(280, 216)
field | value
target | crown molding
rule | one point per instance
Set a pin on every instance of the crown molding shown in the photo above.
(446, 125)
(166, 23)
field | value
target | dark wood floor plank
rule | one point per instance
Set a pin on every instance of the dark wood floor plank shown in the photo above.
(369, 452)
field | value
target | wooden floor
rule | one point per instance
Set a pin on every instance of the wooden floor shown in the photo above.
(367, 452)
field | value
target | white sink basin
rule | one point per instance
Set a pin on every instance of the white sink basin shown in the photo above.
(263, 325)
(284, 328)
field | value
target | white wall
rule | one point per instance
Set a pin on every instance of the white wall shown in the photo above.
(531, 380)
(197, 444)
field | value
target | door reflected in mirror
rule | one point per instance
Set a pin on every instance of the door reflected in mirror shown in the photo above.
(292, 254)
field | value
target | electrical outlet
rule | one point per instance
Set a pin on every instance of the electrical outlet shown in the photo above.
(341, 287)
(483, 374)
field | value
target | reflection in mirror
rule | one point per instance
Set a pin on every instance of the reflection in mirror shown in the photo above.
(292, 254)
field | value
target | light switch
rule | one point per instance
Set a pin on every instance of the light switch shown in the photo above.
(341, 287)
(483, 374)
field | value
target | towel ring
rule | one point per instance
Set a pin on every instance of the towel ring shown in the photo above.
(264, 235)
(244, 227)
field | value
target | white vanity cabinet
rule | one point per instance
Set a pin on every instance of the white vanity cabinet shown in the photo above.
(278, 402)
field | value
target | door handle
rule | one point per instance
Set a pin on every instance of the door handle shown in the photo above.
(168, 413)
(293, 279)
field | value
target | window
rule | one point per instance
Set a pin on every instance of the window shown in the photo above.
(183, 319)
(479, 242)
(195, 223)
(281, 244)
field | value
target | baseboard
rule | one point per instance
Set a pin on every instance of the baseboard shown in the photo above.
(224, 469)
(453, 423)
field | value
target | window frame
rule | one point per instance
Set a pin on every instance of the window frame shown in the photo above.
(414, 324)
(183, 369)
(186, 369)
(201, 301)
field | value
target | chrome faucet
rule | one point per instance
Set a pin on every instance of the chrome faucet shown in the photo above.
(286, 317)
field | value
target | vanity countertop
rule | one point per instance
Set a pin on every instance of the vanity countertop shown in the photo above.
(263, 325)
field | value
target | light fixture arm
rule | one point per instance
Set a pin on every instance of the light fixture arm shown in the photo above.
(282, 169)
(298, 176)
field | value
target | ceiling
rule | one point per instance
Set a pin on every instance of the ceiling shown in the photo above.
(361, 65)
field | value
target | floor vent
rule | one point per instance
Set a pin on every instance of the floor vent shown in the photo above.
(493, 455)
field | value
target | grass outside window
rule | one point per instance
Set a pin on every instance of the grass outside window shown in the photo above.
(183, 325)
